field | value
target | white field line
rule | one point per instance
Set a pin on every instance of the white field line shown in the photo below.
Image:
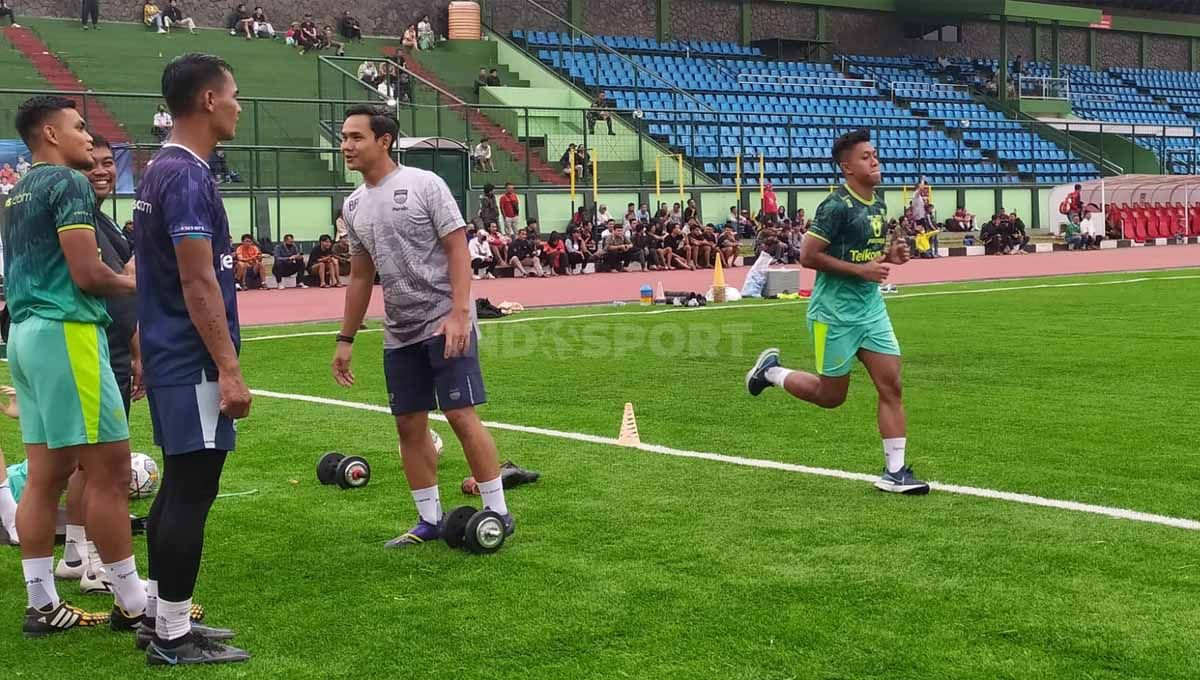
(677, 310)
(1025, 499)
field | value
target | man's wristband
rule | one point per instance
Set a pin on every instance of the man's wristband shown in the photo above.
(348, 339)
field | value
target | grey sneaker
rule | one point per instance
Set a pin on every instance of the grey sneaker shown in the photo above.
(756, 377)
(145, 633)
(195, 649)
(902, 481)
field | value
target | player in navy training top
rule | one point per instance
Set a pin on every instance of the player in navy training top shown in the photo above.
(187, 315)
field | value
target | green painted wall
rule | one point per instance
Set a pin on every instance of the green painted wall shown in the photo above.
(237, 207)
(1132, 158)
(305, 217)
(1020, 200)
(554, 210)
(979, 202)
(526, 67)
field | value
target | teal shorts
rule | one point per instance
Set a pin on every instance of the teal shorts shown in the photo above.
(65, 386)
(836, 346)
(16, 478)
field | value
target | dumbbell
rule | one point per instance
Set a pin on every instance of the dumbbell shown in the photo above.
(348, 472)
(479, 531)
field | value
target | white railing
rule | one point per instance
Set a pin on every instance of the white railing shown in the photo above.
(796, 81)
(1043, 87)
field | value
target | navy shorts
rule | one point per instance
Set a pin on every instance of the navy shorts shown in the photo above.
(188, 418)
(420, 378)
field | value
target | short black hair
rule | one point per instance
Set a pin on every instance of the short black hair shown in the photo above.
(848, 141)
(186, 76)
(33, 112)
(382, 122)
(324, 238)
(98, 140)
(246, 236)
(287, 236)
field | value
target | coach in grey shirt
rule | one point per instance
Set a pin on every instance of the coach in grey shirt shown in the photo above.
(404, 224)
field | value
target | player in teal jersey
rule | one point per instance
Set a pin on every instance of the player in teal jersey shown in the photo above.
(848, 245)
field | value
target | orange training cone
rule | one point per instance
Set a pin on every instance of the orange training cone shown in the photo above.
(629, 431)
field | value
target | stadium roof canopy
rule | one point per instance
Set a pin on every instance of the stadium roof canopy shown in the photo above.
(1134, 189)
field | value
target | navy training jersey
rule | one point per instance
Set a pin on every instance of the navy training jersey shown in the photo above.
(178, 199)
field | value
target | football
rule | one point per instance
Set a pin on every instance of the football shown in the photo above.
(437, 442)
(143, 475)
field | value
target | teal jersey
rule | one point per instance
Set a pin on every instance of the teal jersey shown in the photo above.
(856, 231)
(48, 200)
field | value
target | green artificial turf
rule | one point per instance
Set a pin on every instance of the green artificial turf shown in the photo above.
(18, 73)
(631, 564)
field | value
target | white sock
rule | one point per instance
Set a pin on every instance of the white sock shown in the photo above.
(429, 504)
(493, 495)
(893, 453)
(777, 374)
(127, 587)
(8, 509)
(94, 563)
(39, 582)
(75, 548)
(151, 599)
(173, 619)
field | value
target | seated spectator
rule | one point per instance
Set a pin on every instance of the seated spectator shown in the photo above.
(791, 239)
(481, 256)
(521, 254)
(645, 248)
(601, 110)
(289, 261)
(22, 166)
(676, 215)
(368, 74)
(1114, 224)
(341, 250)
(175, 17)
(240, 21)
(327, 40)
(426, 38)
(322, 263)
(734, 216)
(481, 156)
(497, 242)
(643, 214)
(248, 257)
(993, 239)
(162, 124)
(767, 241)
(961, 221)
(8, 175)
(747, 225)
(6, 186)
(926, 243)
(554, 253)
(1015, 237)
(260, 25)
(1091, 235)
(309, 37)
(493, 78)
(585, 245)
(349, 27)
(292, 37)
(678, 253)
(603, 217)
(690, 211)
(127, 230)
(702, 250)
(1072, 234)
(409, 40)
(570, 162)
(729, 246)
(799, 220)
(616, 248)
(6, 11)
(629, 219)
(219, 168)
(152, 17)
(581, 154)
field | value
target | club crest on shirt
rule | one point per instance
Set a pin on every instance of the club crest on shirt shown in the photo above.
(400, 197)
(352, 205)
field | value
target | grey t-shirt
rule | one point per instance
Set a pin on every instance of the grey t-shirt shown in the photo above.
(399, 223)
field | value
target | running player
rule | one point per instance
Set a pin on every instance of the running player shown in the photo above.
(189, 333)
(403, 222)
(71, 411)
(848, 246)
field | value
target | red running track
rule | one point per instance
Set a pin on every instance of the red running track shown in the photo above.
(317, 304)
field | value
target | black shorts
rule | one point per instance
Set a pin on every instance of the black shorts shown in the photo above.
(420, 378)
